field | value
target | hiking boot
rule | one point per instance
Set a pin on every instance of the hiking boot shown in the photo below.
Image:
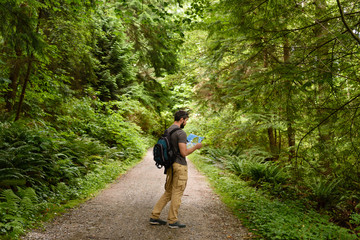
(157, 222)
(176, 225)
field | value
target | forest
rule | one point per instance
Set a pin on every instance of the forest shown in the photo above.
(87, 86)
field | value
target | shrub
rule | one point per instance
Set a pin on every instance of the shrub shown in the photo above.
(270, 218)
(355, 222)
(324, 191)
(24, 154)
(17, 210)
(257, 171)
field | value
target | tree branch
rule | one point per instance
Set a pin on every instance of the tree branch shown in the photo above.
(251, 10)
(345, 23)
(304, 27)
(324, 120)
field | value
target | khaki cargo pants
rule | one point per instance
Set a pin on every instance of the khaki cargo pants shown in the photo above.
(174, 189)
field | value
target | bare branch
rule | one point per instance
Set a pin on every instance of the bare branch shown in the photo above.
(345, 23)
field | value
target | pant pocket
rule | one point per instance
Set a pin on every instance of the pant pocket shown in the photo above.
(182, 182)
(181, 176)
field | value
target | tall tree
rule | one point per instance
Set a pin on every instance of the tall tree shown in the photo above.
(293, 63)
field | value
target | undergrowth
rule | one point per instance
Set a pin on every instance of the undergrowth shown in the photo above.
(46, 167)
(264, 215)
(21, 209)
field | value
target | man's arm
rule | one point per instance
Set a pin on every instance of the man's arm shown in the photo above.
(187, 151)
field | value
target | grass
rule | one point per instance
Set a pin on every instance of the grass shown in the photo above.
(264, 216)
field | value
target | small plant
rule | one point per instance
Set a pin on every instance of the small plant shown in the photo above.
(257, 171)
(17, 211)
(355, 223)
(238, 166)
(275, 174)
(324, 191)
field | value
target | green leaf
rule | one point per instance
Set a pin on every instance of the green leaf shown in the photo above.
(4, 80)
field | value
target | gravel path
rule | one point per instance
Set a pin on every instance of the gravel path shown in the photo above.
(122, 211)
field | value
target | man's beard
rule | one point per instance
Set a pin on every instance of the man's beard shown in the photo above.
(182, 125)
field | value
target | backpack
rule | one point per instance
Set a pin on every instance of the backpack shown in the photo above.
(164, 153)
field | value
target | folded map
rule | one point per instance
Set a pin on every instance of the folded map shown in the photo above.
(192, 140)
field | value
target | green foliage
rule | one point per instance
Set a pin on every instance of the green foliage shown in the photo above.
(269, 219)
(324, 191)
(277, 77)
(97, 120)
(355, 221)
(250, 165)
(34, 156)
(22, 208)
(113, 54)
(83, 152)
(82, 75)
(24, 155)
(17, 211)
(151, 26)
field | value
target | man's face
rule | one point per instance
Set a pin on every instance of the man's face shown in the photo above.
(182, 125)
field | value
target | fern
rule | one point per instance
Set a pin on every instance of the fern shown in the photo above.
(10, 197)
(257, 171)
(10, 173)
(26, 206)
(17, 210)
(324, 191)
(257, 154)
(3, 161)
(275, 174)
(239, 166)
(28, 193)
(11, 202)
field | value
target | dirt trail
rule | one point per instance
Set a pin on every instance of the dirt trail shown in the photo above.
(122, 211)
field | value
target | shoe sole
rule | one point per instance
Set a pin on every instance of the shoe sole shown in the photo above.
(175, 227)
(157, 223)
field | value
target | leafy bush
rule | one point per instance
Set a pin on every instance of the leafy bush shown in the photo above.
(39, 156)
(267, 172)
(103, 124)
(324, 191)
(251, 165)
(17, 210)
(59, 165)
(355, 222)
(22, 208)
(24, 155)
(269, 218)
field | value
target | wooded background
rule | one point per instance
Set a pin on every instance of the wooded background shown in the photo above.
(272, 85)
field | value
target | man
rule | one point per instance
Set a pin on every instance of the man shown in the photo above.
(176, 177)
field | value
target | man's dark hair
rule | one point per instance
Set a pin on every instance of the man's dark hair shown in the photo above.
(181, 114)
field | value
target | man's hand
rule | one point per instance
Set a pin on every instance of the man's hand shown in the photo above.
(187, 151)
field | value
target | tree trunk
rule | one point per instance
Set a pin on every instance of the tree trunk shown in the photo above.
(272, 141)
(14, 76)
(323, 88)
(289, 109)
(270, 130)
(26, 80)
(28, 71)
(279, 147)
